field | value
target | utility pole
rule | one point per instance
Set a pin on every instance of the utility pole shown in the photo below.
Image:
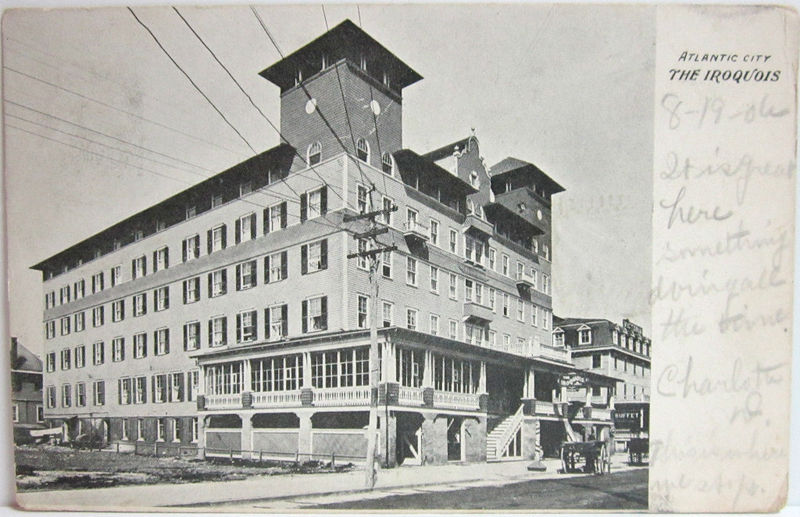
(373, 252)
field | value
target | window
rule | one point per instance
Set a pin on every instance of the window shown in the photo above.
(615, 337)
(453, 241)
(14, 413)
(160, 259)
(49, 300)
(275, 217)
(276, 322)
(453, 292)
(139, 430)
(161, 345)
(387, 313)
(65, 325)
(520, 310)
(80, 356)
(191, 290)
(584, 336)
(506, 341)
(138, 235)
(492, 258)
(140, 390)
(362, 148)
(218, 283)
(51, 397)
(66, 395)
(159, 388)
(161, 429)
(315, 314)
(547, 319)
(161, 296)
(65, 359)
(314, 256)
(387, 162)
(348, 367)
(218, 331)
(505, 265)
(139, 304)
(412, 220)
(217, 238)
(245, 228)
(80, 321)
(434, 228)
(388, 210)
(246, 275)
(138, 267)
(491, 298)
(453, 329)
(314, 153)
(246, 326)
(411, 271)
(520, 270)
(139, 345)
(97, 316)
(362, 262)
(245, 188)
(51, 362)
(118, 349)
(276, 267)
(216, 200)
(66, 294)
(97, 283)
(99, 352)
(195, 429)
(175, 387)
(80, 394)
(39, 413)
(435, 279)
(546, 251)
(473, 251)
(545, 284)
(313, 204)
(434, 324)
(50, 329)
(192, 381)
(468, 289)
(535, 315)
(362, 199)
(191, 336)
(191, 248)
(506, 304)
(99, 393)
(79, 289)
(176, 430)
(386, 264)
(118, 310)
(411, 319)
(596, 361)
(362, 311)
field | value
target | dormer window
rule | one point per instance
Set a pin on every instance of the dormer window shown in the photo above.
(387, 163)
(362, 150)
(314, 153)
(363, 62)
(324, 61)
(245, 188)
(584, 335)
(216, 200)
(387, 81)
(298, 77)
(191, 211)
(558, 338)
(138, 235)
(615, 337)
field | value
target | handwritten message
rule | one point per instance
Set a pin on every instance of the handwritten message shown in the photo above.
(723, 238)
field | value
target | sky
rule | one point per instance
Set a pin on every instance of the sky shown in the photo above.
(567, 87)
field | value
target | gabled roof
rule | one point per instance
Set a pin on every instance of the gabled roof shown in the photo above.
(446, 150)
(511, 164)
(26, 361)
(344, 40)
(409, 162)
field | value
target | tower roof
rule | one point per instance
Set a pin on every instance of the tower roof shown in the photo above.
(346, 40)
(511, 164)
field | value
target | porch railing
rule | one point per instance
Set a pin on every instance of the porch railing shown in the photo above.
(227, 401)
(410, 396)
(276, 399)
(349, 396)
(449, 400)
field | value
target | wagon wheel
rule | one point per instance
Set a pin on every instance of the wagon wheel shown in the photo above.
(563, 460)
(605, 460)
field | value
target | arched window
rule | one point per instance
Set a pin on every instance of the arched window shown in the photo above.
(388, 163)
(314, 153)
(362, 150)
(474, 180)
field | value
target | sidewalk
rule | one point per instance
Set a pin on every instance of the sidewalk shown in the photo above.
(174, 497)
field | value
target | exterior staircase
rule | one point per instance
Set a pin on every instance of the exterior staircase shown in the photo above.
(498, 441)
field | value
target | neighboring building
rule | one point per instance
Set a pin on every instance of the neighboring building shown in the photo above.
(228, 316)
(620, 351)
(26, 392)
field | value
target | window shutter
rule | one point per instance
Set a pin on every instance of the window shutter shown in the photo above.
(253, 272)
(255, 325)
(266, 323)
(323, 254)
(185, 250)
(185, 338)
(144, 390)
(238, 277)
(119, 392)
(252, 226)
(144, 265)
(224, 330)
(305, 316)
(224, 281)
(285, 319)
(164, 389)
(224, 236)
(304, 259)
(324, 308)
(323, 200)
(238, 328)
(283, 214)
(144, 303)
(155, 262)
(303, 207)
(210, 284)
(153, 384)
(196, 245)
(210, 242)
(266, 269)
(237, 237)
(266, 221)
(166, 258)
(180, 390)
(94, 284)
(185, 290)
(166, 342)
(210, 333)
(166, 297)
(284, 264)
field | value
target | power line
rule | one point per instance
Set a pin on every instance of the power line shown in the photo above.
(110, 106)
(105, 135)
(190, 79)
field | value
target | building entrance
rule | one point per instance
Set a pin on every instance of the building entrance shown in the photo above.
(455, 438)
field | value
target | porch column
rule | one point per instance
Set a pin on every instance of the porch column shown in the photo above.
(247, 435)
(427, 370)
(201, 381)
(588, 395)
(530, 383)
(482, 378)
(247, 384)
(563, 394)
(306, 370)
(201, 437)
(304, 436)
(391, 367)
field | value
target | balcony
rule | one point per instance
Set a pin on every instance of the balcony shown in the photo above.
(410, 396)
(229, 401)
(596, 413)
(525, 280)
(414, 231)
(272, 399)
(476, 313)
(543, 408)
(557, 353)
(448, 400)
(476, 225)
(350, 396)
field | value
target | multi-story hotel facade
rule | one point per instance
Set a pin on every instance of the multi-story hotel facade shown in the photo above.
(620, 351)
(229, 319)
